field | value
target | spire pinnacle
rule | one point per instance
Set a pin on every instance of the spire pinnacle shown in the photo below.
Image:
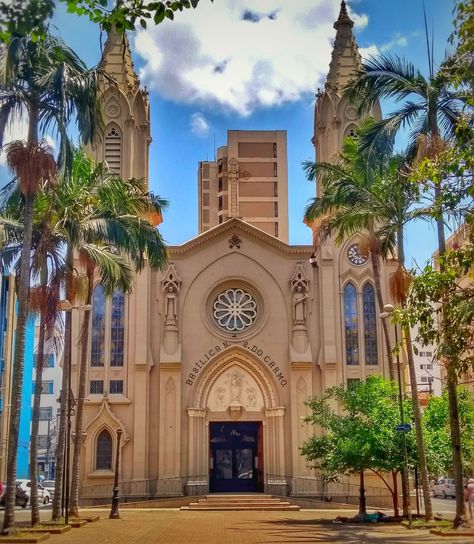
(345, 59)
(117, 60)
(343, 18)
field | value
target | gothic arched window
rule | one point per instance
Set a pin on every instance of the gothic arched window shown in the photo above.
(117, 328)
(113, 149)
(103, 456)
(370, 324)
(351, 324)
(98, 326)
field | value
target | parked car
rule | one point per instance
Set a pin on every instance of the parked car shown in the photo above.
(21, 497)
(43, 494)
(444, 487)
(49, 485)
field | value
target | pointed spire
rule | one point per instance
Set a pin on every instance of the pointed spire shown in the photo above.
(345, 60)
(117, 60)
(343, 18)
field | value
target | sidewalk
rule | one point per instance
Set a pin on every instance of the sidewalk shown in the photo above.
(160, 526)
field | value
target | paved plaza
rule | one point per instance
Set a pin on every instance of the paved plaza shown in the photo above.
(170, 526)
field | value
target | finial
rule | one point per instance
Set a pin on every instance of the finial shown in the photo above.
(343, 18)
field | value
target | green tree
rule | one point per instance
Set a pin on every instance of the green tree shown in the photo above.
(46, 83)
(433, 110)
(437, 431)
(360, 435)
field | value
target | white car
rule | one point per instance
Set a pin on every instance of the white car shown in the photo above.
(43, 494)
(49, 485)
(444, 487)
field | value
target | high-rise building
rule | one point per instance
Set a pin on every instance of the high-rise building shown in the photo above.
(249, 180)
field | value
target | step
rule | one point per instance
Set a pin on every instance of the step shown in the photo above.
(262, 508)
(256, 504)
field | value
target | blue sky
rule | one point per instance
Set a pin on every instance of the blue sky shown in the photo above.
(273, 64)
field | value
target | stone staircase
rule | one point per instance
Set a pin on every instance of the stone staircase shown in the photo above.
(257, 501)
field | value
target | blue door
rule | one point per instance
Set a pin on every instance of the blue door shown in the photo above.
(235, 454)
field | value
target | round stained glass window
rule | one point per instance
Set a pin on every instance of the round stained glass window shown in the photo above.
(234, 310)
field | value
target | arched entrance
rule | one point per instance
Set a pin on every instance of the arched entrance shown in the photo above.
(236, 431)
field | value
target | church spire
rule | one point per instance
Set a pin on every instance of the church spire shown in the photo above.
(117, 61)
(345, 59)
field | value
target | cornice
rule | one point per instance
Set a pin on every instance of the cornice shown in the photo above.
(300, 251)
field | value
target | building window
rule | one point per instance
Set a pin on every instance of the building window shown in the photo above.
(275, 170)
(96, 387)
(48, 360)
(116, 387)
(219, 185)
(370, 324)
(103, 459)
(46, 413)
(429, 367)
(275, 150)
(276, 230)
(424, 378)
(275, 189)
(275, 206)
(117, 328)
(98, 326)
(351, 325)
(113, 149)
(47, 387)
(352, 383)
(220, 203)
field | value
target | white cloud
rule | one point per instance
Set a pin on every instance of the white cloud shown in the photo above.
(368, 52)
(398, 41)
(240, 55)
(199, 124)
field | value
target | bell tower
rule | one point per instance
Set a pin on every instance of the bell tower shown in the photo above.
(126, 137)
(334, 117)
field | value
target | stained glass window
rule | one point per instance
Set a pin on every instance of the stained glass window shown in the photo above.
(370, 325)
(117, 329)
(98, 326)
(351, 325)
(103, 459)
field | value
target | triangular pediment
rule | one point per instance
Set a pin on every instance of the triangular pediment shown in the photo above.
(231, 229)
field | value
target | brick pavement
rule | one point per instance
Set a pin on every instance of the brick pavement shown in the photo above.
(176, 527)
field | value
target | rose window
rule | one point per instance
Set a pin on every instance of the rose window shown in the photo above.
(235, 310)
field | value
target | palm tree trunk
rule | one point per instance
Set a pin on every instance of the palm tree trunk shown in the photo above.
(420, 442)
(378, 291)
(74, 509)
(18, 364)
(395, 493)
(64, 398)
(20, 334)
(35, 515)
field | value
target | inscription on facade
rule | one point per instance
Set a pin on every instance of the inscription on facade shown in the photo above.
(253, 348)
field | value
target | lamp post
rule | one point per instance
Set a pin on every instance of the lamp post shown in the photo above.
(114, 511)
(66, 306)
(389, 309)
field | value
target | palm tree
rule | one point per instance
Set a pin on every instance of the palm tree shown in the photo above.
(362, 193)
(105, 222)
(346, 184)
(433, 111)
(44, 81)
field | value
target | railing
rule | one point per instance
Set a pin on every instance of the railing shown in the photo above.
(131, 489)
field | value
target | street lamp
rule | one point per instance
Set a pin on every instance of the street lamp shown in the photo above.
(114, 511)
(66, 306)
(389, 309)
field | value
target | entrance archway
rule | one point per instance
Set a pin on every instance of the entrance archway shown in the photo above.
(235, 394)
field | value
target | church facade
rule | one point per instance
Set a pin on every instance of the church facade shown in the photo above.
(207, 365)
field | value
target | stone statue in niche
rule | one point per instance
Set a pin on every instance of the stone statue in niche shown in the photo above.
(235, 386)
(299, 305)
(300, 296)
(170, 286)
(171, 305)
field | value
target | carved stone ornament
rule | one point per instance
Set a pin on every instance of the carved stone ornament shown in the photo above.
(172, 279)
(299, 278)
(234, 241)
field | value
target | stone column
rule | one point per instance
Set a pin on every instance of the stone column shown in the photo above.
(198, 454)
(275, 457)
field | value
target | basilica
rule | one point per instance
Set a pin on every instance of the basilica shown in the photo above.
(207, 365)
